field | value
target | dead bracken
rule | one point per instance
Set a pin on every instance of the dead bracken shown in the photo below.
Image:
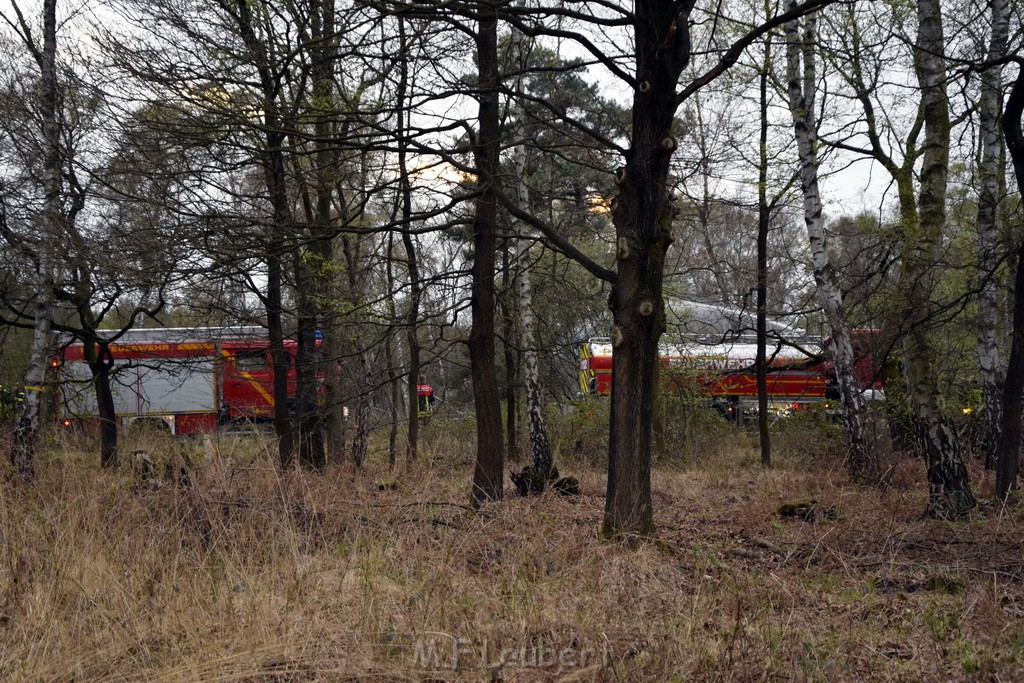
(250, 574)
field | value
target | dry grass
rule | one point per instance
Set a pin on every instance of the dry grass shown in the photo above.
(250, 575)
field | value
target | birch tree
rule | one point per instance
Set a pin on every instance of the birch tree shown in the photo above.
(530, 481)
(949, 488)
(990, 168)
(802, 83)
(48, 223)
(921, 201)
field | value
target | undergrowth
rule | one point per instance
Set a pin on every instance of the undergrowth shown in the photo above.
(240, 572)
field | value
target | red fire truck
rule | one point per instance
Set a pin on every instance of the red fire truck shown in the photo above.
(190, 379)
(724, 371)
(721, 370)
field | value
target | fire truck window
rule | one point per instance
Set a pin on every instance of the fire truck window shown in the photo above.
(250, 361)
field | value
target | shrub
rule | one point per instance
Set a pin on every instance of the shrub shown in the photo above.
(693, 429)
(579, 431)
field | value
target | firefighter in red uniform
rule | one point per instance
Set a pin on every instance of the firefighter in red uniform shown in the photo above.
(425, 393)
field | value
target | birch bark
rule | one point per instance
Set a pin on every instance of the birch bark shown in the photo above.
(862, 465)
(922, 225)
(948, 485)
(24, 437)
(990, 168)
(540, 447)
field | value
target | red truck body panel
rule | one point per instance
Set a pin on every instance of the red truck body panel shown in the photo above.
(717, 370)
(193, 383)
(726, 369)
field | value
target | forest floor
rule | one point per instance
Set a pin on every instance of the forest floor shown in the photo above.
(245, 574)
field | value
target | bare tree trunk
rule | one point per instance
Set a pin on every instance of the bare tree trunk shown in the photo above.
(100, 361)
(361, 438)
(862, 465)
(352, 247)
(314, 272)
(396, 399)
(949, 489)
(281, 360)
(540, 447)
(1008, 447)
(334, 406)
(642, 214)
(488, 477)
(389, 354)
(318, 407)
(24, 437)
(331, 408)
(763, 217)
(1008, 453)
(272, 159)
(990, 169)
(509, 346)
(307, 413)
(412, 265)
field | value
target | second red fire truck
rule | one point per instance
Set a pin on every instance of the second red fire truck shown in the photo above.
(189, 379)
(799, 376)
